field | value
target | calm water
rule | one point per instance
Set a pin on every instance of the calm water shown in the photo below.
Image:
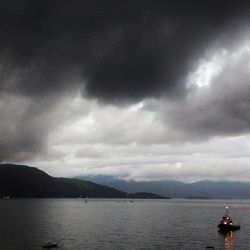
(117, 224)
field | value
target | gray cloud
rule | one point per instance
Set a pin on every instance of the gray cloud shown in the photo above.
(18, 138)
(222, 107)
(25, 125)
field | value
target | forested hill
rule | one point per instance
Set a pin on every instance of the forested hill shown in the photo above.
(23, 181)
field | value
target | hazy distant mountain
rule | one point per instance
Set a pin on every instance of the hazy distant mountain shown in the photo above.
(176, 189)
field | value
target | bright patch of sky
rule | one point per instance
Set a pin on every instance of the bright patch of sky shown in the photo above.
(207, 69)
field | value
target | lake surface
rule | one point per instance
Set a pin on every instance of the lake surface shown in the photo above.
(120, 224)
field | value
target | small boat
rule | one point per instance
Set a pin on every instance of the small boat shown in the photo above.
(226, 223)
(50, 245)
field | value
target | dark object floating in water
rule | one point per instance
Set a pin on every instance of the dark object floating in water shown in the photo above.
(210, 247)
(50, 245)
(226, 223)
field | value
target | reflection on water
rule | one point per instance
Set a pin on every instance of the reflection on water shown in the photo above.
(228, 241)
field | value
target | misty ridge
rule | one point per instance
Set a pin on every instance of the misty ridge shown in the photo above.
(178, 189)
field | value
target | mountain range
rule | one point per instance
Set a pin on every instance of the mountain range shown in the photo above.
(20, 181)
(177, 189)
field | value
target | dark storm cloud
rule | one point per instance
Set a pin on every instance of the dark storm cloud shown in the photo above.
(115, 49)
(112, 51)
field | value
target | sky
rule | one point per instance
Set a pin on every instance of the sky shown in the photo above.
(142, 90)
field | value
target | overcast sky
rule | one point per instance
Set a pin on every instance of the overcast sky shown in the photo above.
(144, 90)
